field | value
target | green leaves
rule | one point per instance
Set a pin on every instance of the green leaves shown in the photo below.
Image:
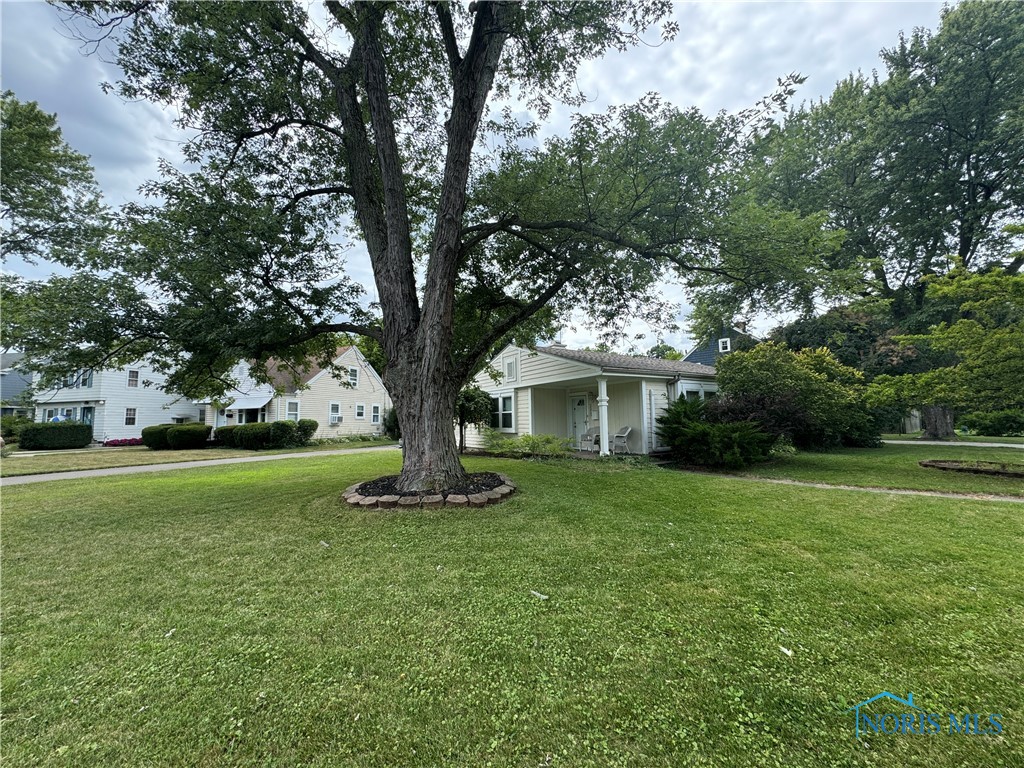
(49, 203)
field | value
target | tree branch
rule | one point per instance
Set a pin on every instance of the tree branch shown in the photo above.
(293, 200)
(451, 46)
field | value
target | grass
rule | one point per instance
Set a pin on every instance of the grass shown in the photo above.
(27, 463)
(959, 438)
(240, 616)
(895, 466)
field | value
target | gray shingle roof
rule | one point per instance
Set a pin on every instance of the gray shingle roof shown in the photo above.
(626, 363)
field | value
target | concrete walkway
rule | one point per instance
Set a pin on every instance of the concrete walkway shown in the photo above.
(956, 443)
(84, 473)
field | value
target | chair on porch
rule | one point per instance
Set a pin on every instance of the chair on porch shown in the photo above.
(590, 440)
(620, 440)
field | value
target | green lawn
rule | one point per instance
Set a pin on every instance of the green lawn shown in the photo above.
(960, 438)
(28, 463)
(196, 617)
(895, 466)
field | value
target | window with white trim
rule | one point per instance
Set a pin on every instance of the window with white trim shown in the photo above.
(86, 379)
(129, 416)
(291, 410)
(375, 414)
(49, 413)
(501, 413)
(353, 377)
(202, 415)
(133, 378)
(360, 411)
(724, 345)
(334, 413)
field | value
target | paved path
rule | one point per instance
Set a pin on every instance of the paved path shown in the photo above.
(957, 443)
(83, 473)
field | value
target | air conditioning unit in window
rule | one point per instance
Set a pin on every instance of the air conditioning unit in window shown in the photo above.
(336, 419)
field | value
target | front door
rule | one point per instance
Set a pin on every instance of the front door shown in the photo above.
(86, 415)
(580, 412)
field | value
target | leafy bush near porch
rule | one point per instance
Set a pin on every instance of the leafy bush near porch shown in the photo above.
(155, 437)
(264, 435)
(186, 436)
(55, 435)
(306, 429)
(226, 435)
(694, 439)
(526, 445)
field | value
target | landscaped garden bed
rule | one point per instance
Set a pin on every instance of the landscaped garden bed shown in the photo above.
(480, 489)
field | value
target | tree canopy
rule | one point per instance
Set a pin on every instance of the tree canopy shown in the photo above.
(50, 205)
(322, 126)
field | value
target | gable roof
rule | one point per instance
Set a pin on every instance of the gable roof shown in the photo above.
(609, 361)
(283, 378)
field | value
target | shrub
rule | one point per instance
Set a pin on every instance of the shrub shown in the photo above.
(525, 445)
(226, 435)
(155, 437)
(688, 428)
(184, 436)
(284, 434)
(252, 437)
(307, 428)
(1007, 423)
(119, 442)
(391, 427)
(55, 435)
(11, 426)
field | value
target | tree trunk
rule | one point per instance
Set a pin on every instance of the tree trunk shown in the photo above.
(425, 405)
(938, 422)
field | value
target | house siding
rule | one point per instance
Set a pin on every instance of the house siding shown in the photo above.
(624, 410)
(551, 412)
(314, 403)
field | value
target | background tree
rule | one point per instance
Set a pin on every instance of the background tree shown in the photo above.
(473, 406)
(365, 121)
(49, 204)
(664, 351)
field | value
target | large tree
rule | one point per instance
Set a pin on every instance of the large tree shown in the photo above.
(365, 119)
(922, 168)
(50, 205)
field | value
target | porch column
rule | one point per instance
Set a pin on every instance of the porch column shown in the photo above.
(602, 412)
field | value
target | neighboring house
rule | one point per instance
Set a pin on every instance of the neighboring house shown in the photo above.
(12, 385)
(356, 405)
(117, 402)
(726, 340)
(565, 392)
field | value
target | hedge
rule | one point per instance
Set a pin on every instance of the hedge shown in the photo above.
(155, 438)
(185, 436)
(226, 436)
(307, 428)
(253, 437)
(54, 435)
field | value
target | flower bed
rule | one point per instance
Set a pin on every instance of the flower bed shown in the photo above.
(122, 441)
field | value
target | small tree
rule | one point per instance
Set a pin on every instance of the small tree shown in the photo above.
(473, 406)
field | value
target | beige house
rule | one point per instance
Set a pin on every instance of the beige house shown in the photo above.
(356, 405)
(586, 395)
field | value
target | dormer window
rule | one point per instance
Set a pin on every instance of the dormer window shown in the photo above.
(724, 345)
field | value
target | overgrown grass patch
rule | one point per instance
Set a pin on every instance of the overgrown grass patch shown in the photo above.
(895, 466)
(241, 616)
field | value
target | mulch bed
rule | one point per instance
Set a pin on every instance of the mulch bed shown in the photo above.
(479, 482)
(996, 468)
(481, 489)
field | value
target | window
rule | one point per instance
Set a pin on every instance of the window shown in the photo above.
(49, 413)
(129, 416)
(133, 379)
(334, 413)
(291, 410)
(360, 411)
(86, 379)
(68, 381)
(692, 394)
(511, 368)
(375, 414)
(202, 415)
(501, 413)
(353, 377)
(724, 345)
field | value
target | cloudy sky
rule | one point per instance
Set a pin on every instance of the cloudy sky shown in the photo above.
(726, 56)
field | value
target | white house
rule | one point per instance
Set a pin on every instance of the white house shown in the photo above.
(566, 392)
(356, 405)
(120, 403)
(117, 402)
